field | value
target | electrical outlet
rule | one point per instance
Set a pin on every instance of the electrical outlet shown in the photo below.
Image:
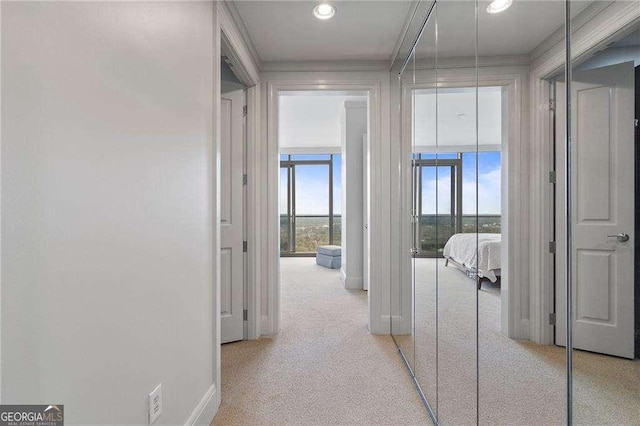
(155, 404)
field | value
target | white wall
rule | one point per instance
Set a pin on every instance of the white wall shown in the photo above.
(107, 211)
(354, 126)
(456, 120)
(311, 123)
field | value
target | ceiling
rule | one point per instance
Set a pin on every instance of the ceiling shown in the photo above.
(287, 30)
(370, 29)
(313, 120)
(516, 31)
(454, 125)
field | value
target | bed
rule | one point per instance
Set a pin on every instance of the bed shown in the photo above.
(461, 251)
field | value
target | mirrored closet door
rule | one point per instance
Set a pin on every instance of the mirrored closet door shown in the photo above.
(468, 316)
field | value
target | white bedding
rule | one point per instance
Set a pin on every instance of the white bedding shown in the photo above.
(462, 249)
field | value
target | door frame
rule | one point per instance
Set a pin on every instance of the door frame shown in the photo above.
(233, 43)
(597, 26)
(378, 318)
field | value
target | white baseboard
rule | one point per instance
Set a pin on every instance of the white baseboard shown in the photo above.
(265, 326)
(525, 329)
(206, 409)
(400, 325)
(380, 326)
(351, 283)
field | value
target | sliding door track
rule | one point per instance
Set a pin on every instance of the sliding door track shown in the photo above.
(417, 385)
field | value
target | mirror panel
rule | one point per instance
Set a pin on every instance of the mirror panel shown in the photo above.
(455, 153)
(601, 257)
(402, 294)
(426, 174)
(521, 381)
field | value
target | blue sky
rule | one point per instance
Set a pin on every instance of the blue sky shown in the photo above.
(312, 192)
(312, 187)
(489, 185)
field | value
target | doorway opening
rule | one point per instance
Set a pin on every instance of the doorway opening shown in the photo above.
(604, 214)
(322, 146)
(233, 286)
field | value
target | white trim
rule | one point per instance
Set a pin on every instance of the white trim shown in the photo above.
(245, 65)
(376, 84)
(596, 26)
(214, 193)
(325, 66)
(514, 291)
(241, 52)
(252, 213)
(403, 33)
(311, 150)
(470, 62)
(459, 148)
(351, 283)
(244, 33)
(206, 409)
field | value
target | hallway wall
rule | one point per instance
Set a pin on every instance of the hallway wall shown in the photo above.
(107, 207)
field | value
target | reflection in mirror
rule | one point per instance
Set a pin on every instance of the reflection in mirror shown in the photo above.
(419, 13)
(426, 173)
(455, 224)
(521, 374)
(602, 250)
(402, 294)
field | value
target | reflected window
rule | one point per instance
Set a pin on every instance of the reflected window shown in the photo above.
(445, 194)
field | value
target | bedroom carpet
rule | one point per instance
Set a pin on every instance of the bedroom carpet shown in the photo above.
(521, 383)
(324, 368)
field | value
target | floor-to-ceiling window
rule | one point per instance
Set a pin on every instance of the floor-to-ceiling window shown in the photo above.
(310, 202)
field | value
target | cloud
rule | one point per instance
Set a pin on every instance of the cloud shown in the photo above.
(312, 197)
(489, 191)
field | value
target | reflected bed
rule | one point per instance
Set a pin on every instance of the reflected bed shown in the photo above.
(461, 251)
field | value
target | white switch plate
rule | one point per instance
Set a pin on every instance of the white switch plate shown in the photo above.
(155, 404)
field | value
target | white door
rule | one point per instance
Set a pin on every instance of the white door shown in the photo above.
(231, 215)
(602, 203)
(365, 212)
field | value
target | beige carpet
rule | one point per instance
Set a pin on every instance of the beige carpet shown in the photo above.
(324, 368)
(521, 383)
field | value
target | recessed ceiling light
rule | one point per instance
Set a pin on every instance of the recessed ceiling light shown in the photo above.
(324, 11)
(497, 6)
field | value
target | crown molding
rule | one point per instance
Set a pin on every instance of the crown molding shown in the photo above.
(403, 33)
(319, 66)
(576, 23)
(232, 10)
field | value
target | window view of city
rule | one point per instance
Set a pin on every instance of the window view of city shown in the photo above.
(305, 192)
(307, 218)
(310, 231)
(436, 231)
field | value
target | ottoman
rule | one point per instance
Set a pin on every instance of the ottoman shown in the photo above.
(329, 256)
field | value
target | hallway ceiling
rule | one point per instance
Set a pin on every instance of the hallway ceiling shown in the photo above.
(287, 30)
(516, 31)
(369, 29)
